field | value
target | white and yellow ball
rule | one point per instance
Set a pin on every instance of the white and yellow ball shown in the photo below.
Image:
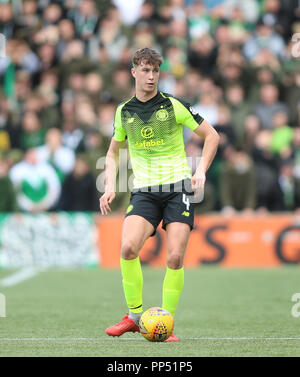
(156, 324)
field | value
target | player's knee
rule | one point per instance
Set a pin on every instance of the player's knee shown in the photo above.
(175, 261)
(129, 250)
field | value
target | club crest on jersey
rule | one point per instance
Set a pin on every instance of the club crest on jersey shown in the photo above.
(162, 115)
(147, 132)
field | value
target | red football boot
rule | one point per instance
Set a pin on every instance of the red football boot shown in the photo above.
(126, 325)
(172, 338)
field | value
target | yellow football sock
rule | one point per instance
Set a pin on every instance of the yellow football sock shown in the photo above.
(132, 284)
(172, 288)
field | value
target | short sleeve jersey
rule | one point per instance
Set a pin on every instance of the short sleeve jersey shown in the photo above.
(154, 130)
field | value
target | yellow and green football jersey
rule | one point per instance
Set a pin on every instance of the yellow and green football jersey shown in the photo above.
(154, 130)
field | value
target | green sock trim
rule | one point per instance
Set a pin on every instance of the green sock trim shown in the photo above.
(132, 283)
(172, 288)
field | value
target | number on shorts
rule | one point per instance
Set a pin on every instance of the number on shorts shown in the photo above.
(186, 201)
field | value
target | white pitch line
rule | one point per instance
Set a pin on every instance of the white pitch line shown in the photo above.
(135, 339)
(19, 276)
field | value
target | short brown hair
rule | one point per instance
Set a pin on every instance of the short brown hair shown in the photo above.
(148, 55)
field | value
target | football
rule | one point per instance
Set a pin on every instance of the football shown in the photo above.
(156, 324)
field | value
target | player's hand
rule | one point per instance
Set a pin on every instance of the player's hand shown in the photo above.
(198, 183)
(105, 201)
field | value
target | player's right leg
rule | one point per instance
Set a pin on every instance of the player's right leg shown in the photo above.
(136, 231)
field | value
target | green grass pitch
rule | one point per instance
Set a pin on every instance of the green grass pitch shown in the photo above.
(222, 312)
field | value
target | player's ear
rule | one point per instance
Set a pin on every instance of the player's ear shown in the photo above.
(133, 72)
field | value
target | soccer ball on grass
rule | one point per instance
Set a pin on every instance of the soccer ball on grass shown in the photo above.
(156, 324)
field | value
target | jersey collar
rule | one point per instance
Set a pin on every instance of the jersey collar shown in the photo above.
(151, 100)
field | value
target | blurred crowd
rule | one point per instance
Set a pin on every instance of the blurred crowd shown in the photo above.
(67, 66)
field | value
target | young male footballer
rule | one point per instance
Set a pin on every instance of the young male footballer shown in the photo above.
(152, 122)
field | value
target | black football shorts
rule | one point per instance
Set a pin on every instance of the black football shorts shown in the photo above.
(167, 203)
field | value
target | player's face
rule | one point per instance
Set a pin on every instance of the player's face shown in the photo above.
(146, 77)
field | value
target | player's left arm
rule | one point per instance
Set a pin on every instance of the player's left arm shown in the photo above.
(211, 142)
(186, 115)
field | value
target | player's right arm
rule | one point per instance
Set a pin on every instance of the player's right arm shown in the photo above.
(112, 163)
(111, 170)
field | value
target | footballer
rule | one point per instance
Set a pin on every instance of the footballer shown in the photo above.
(152, 122)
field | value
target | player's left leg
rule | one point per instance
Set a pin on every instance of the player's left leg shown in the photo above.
(177, 239)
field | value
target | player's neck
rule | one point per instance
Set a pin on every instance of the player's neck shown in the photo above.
(145, 96)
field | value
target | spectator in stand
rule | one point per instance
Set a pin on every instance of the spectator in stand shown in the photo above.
(249, 9)
(112, 40)
(46, 53)
(239, 107)
(121, 84)
(72, 136)
(27, 20)
(269, 195)
(95, 147)
(296, 152)
(207, 107)
(175, 61)
(264, 38)
(268, 105)
(48, 92)
(52, 14)
(238, 26)
(32, 134)
(282, 134)
(262, 75)
(224, 127)
(130, 10)
(106, 118)
(67, 107)
(66, 30)
(22, 90)
(273, 14)
(237, 183)
(26, 59)
(74, 85)
(178, 34)
(53, 152)
(74, 60)
(252, 128)
(230, 73)
(292, 96)
(199, 20)
(147, 13)
(86, 19)
(203, 54)
(191, 89)
(289, 185)
(208, 204)
(79, 189)
(36, 183)
(7, 25)
(164, 15)
(93, 87)
(85, 114)
(9, 135)
(7, 194)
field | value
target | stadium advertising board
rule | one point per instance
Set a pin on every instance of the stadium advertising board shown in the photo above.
(81, 239)
(48, 240)
(233, 242)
